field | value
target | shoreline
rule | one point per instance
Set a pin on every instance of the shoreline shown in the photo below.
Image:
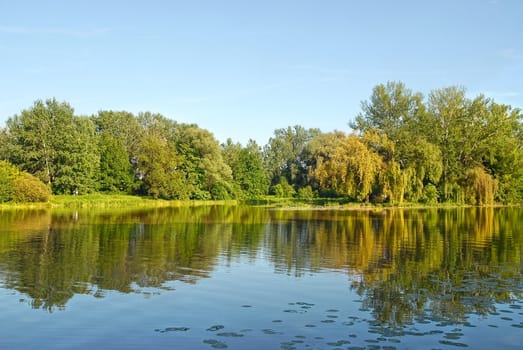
(107, 201)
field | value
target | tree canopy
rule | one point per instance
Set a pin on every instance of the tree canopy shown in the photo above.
(403, 146)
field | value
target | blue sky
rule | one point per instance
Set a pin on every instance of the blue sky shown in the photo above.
(241, 69)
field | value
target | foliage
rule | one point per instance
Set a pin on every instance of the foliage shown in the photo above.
(479, 186)
(27, 188)
(470, 149)
(8, 173)
(286, 155)
(283, 189)
(430, 194)
(115, 168)
(346, 165)
(51, 143)
(305, 193)
(206, 172)
(404, 147)
(247, 168)
(18, 186)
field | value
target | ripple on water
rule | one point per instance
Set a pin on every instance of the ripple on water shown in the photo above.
(328, 321)
(230, 334)
(172, 329)
(453, 335)
(452, 343)
(215, 343)
(507, 311)
(339, 343)
(215, 328)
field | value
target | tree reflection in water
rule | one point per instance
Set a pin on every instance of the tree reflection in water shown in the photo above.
(430, 264)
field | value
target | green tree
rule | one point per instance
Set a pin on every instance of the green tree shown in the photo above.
(394, 110)
(77, 161)
(157, 166)
(479, 141)
(392, 123)
(4, 144)
(202, 162)
(286, 155)
(118, 132)
(248, 173)
(157, 160)
(448, 126)
(500, 149)
(116, 174)
(123, 126)
(51, 143)
(283, 189)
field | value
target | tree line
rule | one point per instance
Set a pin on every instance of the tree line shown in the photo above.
(444, 147)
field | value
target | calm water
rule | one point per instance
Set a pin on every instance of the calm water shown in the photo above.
(247, 278)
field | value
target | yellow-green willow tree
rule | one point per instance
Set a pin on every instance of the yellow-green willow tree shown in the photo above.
(345, 164)
(390, 125)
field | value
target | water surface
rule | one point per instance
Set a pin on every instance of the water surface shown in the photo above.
(245, 277)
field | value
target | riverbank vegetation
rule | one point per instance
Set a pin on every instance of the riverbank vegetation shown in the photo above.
(403, 147)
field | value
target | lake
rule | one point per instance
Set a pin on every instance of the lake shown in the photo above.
(241, 277)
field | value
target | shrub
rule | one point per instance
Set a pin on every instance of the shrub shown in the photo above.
(283, 189)
(305, 193)
(27, 188)
(430, 194)
(8, 173)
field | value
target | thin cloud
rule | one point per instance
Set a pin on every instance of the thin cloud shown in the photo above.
(87, 33)
(362, 72)
(511, 54)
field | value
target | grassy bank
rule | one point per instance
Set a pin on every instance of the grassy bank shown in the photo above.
(346, 204)
(127, 201)
(107, 201)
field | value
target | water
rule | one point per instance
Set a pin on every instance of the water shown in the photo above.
(239, 277)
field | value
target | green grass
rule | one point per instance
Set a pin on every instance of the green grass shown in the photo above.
(107, 201)
(345, 203)
(127, 201)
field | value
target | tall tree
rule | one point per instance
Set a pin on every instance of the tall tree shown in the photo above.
(248, 172)
(118, 134)
(158, 163)
(123, 126)
(286, 155)
(391, 123)
(205, 169)
(116, 173)
(447, 126)
(49, 141)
